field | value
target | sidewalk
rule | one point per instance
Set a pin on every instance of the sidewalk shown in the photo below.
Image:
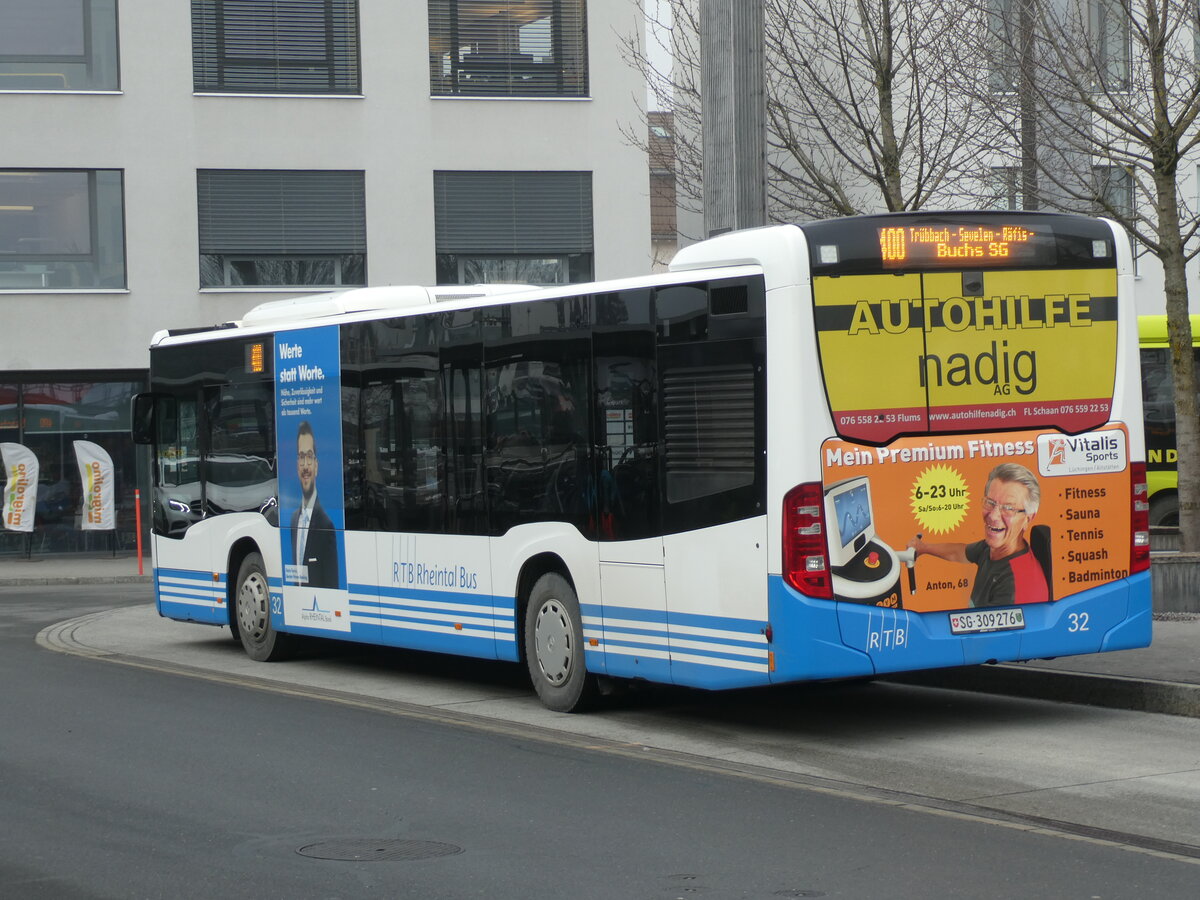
(16, 572)
(1164, 677)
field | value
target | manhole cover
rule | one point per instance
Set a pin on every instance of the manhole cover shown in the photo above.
(359, 850)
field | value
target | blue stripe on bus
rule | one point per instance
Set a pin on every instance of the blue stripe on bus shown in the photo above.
(190, 574)
(191, 595)
(493, 625)
(462, 598)
(611, 627)
(185, 595)
(760, 658)
(687, 648)
(662, 616)
(189, 612)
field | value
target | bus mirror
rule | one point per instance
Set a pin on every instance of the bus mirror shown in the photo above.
(153, 418)
(142, 418)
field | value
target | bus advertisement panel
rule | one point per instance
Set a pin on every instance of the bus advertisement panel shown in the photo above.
(311, 492)
(1001, 519)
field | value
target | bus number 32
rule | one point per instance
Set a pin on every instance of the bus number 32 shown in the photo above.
(1078, 621)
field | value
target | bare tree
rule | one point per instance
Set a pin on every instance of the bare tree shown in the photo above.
(861, 111)
(1116, 90)
(863, 114)
(674, 86)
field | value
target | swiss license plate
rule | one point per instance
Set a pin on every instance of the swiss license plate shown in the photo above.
(976, 620)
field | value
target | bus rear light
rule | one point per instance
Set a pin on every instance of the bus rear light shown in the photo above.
(805, 556)
(1139, 551)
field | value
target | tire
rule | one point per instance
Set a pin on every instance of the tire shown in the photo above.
(554, 646)
(1164, 510)
(252, 611)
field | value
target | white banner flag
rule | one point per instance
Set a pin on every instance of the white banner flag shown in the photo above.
(96, 473)
(20, 488)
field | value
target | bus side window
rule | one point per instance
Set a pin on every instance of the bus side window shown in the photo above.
(1158, 393)
(466, 498)
(712, 399)
(538, 434)
(239, 462)
(626, 427)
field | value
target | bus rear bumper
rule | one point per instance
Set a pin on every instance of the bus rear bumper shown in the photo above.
(827, 639)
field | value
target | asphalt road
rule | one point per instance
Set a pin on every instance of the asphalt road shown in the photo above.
(168, 778)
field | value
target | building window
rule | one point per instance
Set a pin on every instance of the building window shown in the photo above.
(1109, 25)
(61, 229)
(1005, 42)
(509, 48)
(281, 228)
(59, 45)
(1113, 187)
(275, 46)
(1004, 188)
(528, 227)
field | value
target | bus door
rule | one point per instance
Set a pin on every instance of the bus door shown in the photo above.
(633, 613)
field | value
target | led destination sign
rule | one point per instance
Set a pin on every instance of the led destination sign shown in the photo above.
(935, 245)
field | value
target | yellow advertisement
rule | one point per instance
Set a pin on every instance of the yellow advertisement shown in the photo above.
(955, 351)
(981, 521)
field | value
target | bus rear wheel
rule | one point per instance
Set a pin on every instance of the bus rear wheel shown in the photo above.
(554, 646)
(252, 606)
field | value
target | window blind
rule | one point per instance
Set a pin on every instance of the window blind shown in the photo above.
(281, 212)
(275, 46)
(513, 212)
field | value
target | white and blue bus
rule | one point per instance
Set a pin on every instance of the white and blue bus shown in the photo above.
(823, 451)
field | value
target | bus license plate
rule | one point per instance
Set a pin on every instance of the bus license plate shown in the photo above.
(986, 620)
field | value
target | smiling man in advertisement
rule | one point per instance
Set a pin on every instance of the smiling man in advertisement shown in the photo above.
(316, 547)
(1007, 572)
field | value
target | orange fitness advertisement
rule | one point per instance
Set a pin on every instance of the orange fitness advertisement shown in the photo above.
(986, 520)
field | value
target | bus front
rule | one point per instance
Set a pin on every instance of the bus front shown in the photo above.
(982, 473)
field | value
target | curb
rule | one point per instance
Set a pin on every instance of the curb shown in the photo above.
(39, 581)
(1112, 691)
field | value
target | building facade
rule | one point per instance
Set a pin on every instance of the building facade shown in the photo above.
(174, 164)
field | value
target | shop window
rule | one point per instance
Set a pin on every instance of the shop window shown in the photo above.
(47, 415)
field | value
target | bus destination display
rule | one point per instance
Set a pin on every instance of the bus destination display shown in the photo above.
(963, 245)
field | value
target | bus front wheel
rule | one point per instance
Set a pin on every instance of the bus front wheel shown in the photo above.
(554, 646)
(260, 640)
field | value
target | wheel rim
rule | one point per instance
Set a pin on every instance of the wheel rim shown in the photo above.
(253, 607)
(553, 641)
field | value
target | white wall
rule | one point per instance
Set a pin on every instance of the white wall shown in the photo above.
(159, 133)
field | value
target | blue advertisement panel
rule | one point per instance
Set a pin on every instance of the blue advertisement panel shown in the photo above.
(311, 505)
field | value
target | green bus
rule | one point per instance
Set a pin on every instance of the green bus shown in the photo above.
(1158, 401)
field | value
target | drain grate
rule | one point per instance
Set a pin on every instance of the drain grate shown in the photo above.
(362, 850)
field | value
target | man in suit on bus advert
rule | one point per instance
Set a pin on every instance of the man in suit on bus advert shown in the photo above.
(1008, 570)
(313, 537)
